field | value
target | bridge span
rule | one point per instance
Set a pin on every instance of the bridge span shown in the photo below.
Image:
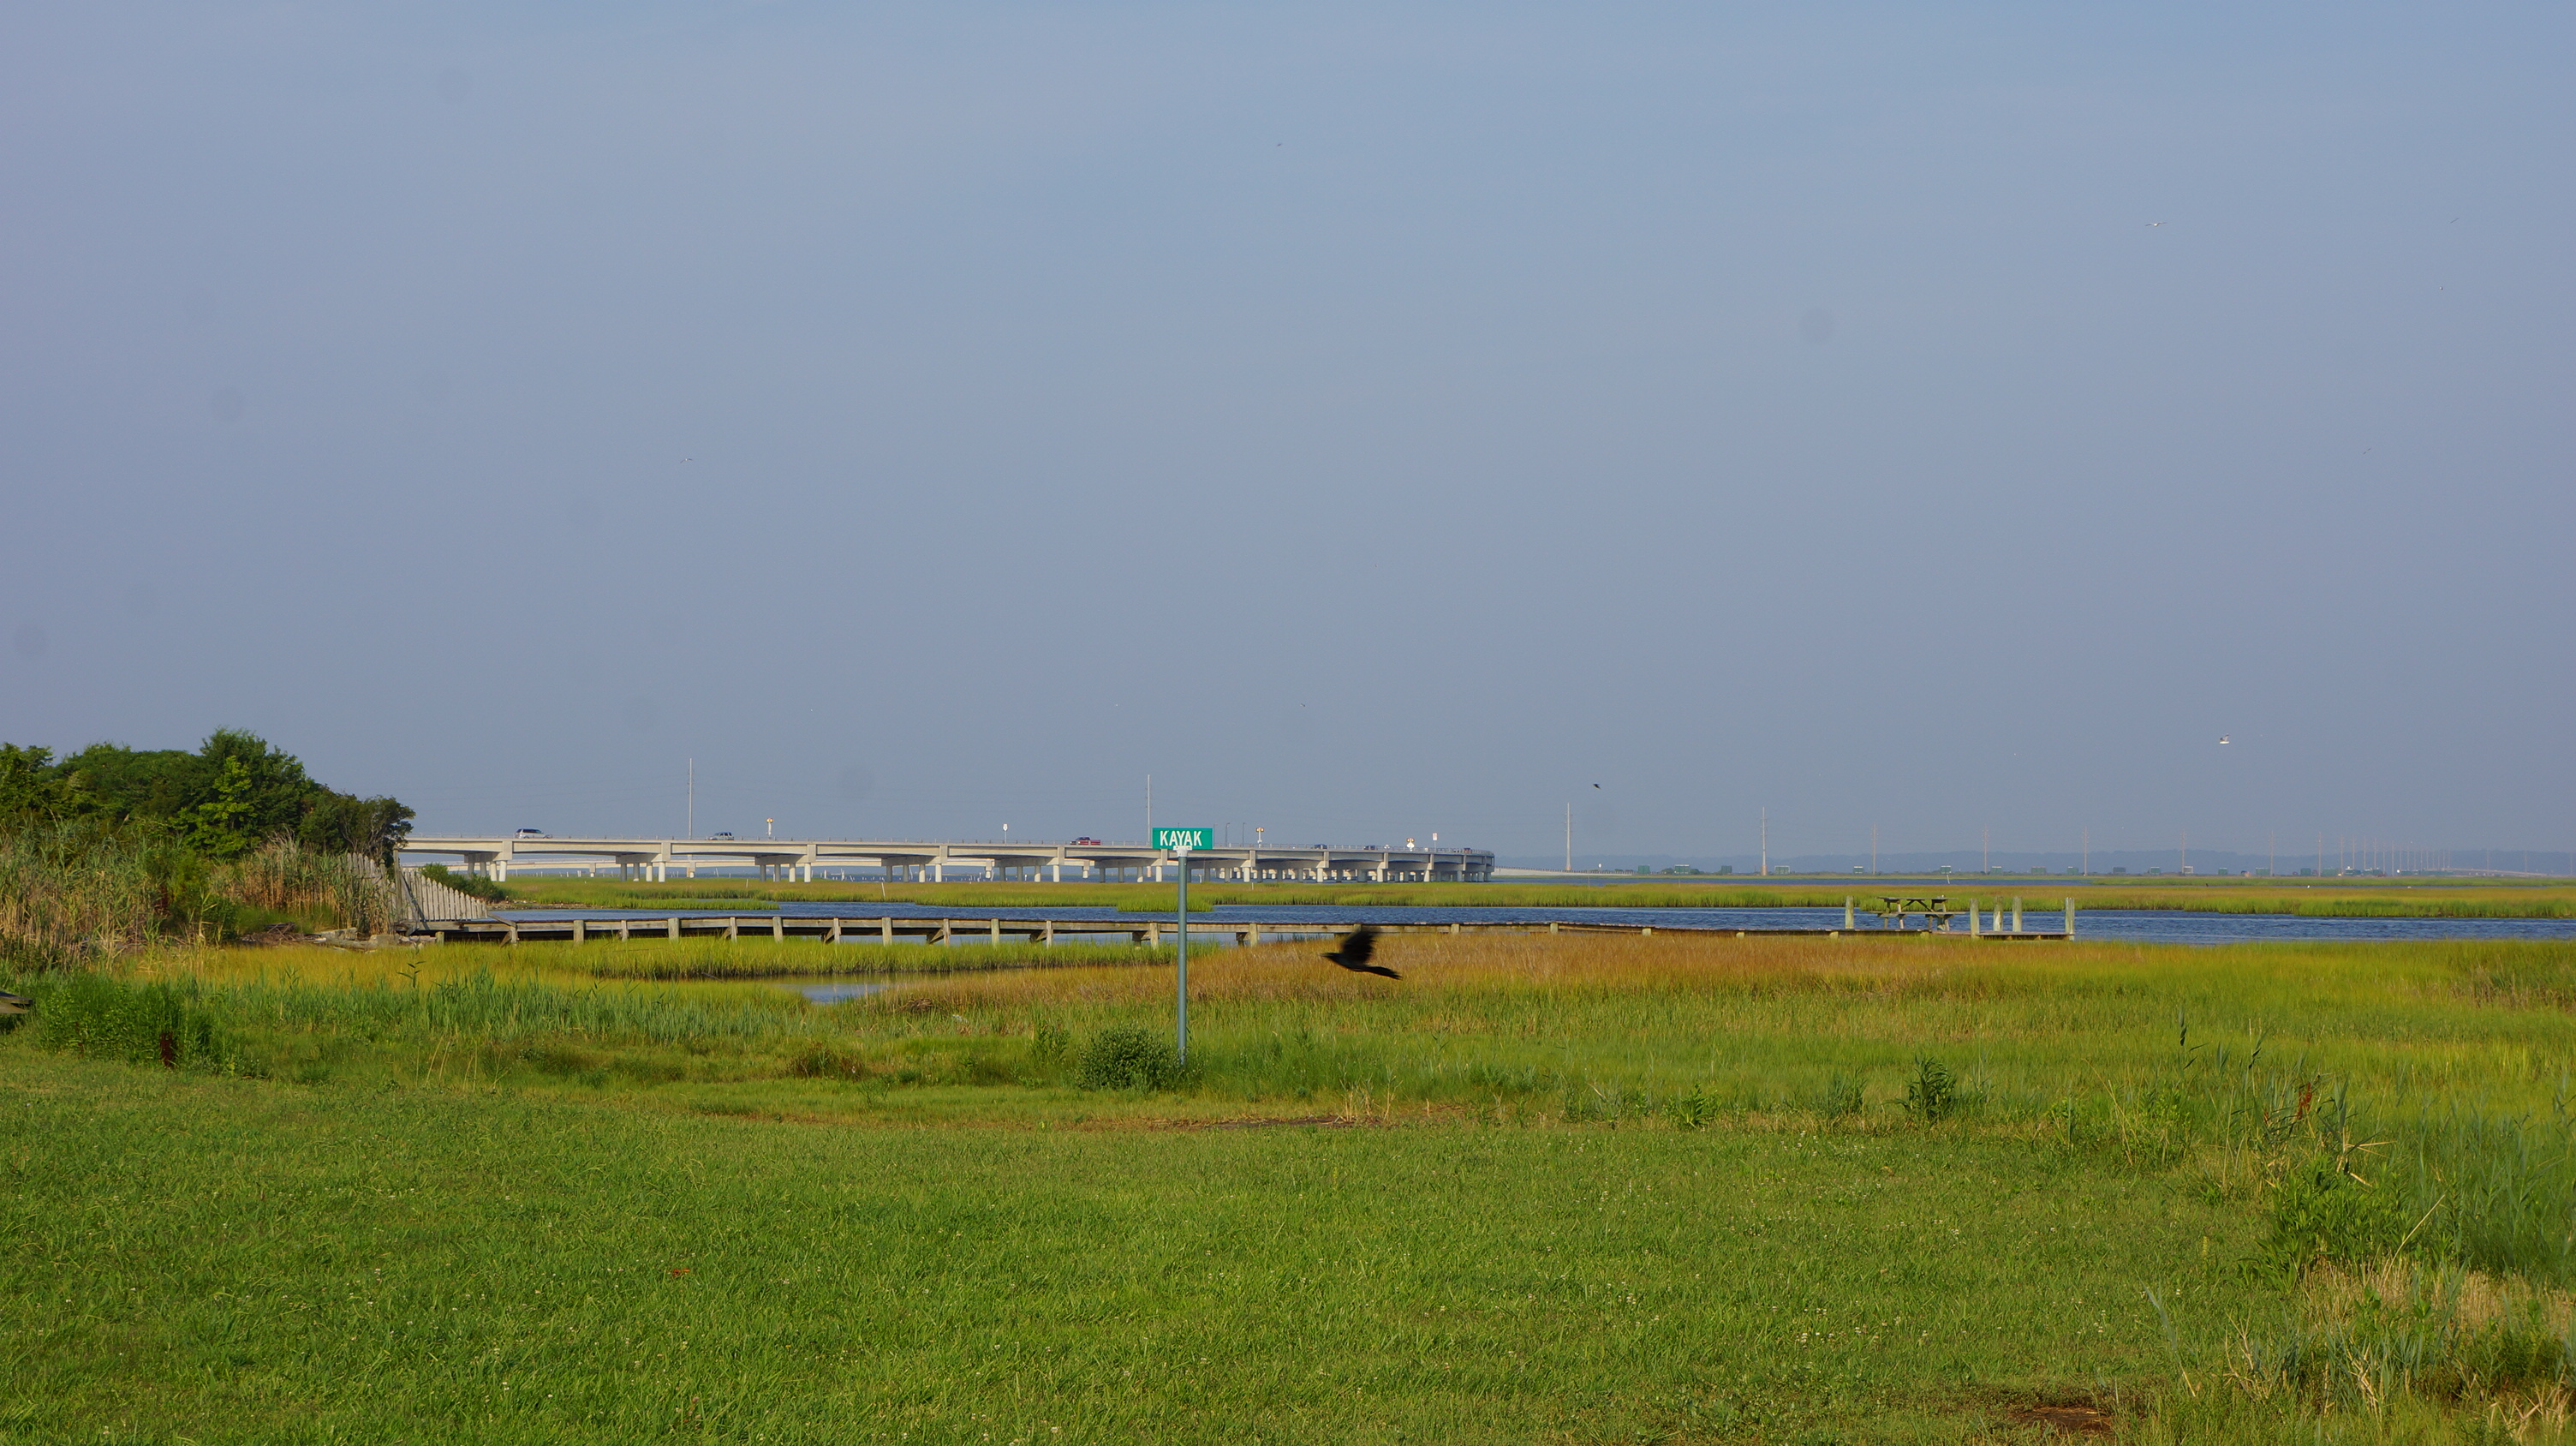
(916, 861)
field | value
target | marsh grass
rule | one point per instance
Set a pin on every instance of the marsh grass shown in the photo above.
(2319, 898)
(2246, 1131)
(816, 959)
(82, 891)
(71, 891)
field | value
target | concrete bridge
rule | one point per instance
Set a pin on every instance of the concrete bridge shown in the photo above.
(925, 862)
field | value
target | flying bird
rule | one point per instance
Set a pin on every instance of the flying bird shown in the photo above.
(1356, 947)
(2222, 737)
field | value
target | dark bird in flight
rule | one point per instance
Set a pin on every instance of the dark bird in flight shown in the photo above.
(1356, 947)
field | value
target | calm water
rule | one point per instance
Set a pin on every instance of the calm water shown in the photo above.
(2156, 926)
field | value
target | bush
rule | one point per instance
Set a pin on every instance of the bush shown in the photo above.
(1120, 1059)
(107, 1018)
(1692, 1108)
(1931, 1096)
(2322, 1214)
(474, 885)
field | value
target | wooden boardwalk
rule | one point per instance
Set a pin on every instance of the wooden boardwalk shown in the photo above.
(996, 930)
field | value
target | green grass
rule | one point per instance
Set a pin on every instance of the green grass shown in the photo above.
(226, 1262)
(1544, 1189)
(2322, 898)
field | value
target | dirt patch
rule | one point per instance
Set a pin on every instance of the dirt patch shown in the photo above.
(279, 933)
(2062, 1420)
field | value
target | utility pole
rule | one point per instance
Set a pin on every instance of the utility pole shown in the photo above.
(1766, 843)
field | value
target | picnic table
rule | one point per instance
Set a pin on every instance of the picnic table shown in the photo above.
(1935, 909)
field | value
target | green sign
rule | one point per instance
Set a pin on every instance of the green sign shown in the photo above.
(1183, 839)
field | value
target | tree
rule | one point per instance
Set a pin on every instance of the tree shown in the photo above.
(230, 796)
(31, 786)
(338, 823)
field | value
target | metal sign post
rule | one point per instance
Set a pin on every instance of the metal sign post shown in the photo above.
(1180, 841)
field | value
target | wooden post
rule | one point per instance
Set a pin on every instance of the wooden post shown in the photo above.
(580, 930)
(997, 930)
(672, 924)
(2070, 917)
(512, 937)
(733, 928)
(1972, 916)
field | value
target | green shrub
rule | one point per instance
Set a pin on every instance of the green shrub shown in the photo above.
(1120, 1059)
(474, 885)
(2321, 1213)
(1692, 1108)
(105, 1017)
(1932, 1095)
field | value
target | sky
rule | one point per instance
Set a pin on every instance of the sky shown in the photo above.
(1366, 421)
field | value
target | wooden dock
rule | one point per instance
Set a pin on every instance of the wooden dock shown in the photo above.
(995, 930)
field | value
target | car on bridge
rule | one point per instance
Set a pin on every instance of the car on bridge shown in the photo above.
(726, 836)
(1086, 841)
(529, 833)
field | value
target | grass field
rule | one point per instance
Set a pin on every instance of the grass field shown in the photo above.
(2321, 898)
(1543, 1189)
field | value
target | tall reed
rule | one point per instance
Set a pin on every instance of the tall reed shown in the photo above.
(284, 877)
(84, 890)
(70, 891)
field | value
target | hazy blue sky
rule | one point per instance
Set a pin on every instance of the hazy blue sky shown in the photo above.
(1367, 420)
